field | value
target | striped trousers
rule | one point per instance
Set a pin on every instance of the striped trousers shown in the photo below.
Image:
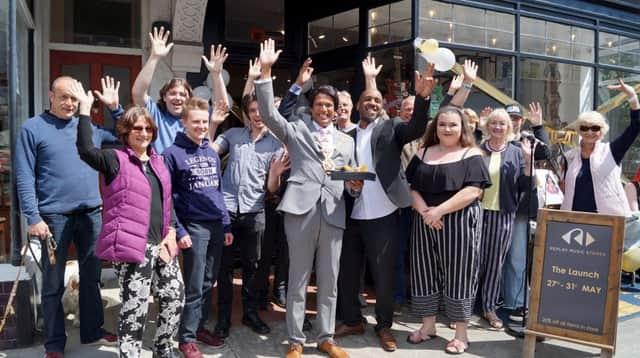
(445, 263)
(494, 246)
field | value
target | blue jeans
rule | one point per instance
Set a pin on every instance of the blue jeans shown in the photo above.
(200, 263)
(514, 268)
(82, 227)
(399, 286)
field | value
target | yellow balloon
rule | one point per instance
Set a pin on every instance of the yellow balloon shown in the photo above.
(429, 46)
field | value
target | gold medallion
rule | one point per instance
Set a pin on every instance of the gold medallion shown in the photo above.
(328, 165)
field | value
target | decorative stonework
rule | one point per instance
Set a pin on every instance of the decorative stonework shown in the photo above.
(188, 20)
(188, 24)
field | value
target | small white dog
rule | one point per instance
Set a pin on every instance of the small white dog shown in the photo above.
(71, 295)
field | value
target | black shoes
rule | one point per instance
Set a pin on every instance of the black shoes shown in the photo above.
(280, 298)
(253, 321)
(222, 328)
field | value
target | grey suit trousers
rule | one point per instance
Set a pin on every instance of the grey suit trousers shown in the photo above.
(310, 235)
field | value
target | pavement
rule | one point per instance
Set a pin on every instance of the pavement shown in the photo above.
(243, 343)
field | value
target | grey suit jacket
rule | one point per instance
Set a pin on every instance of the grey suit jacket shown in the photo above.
(308, 181)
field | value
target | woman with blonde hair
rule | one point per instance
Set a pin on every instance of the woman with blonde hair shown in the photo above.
(595, 163)
(471, 117)
(510, 172)
(447, 177)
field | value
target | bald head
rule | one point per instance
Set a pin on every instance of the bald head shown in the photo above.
(406, 108)
(63, 103)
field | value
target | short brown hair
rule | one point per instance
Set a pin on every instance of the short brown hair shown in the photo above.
(168, 86)
(194, 104)
(247, 99)
(430, 137)
(128, 120)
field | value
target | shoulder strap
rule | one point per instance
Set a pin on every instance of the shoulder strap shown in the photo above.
(423, 153)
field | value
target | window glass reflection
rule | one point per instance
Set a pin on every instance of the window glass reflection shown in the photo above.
(554, 39)
(332, 32)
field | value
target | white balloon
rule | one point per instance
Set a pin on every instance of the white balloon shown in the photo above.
(202, 92)
(443, 59)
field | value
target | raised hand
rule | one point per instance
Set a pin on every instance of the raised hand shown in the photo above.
(219, 113)
(535, 114)
(109, 95)
(628, 91)
(254, 69)
(85, 99)
(369, 67)
(305, 72)
(425, 83)
(159, 46)
(217, 57)
(470, 71)
(484, 114)
(455, 85)
(268, 53)
(280, 165)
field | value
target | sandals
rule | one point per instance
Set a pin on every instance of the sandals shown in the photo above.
(416, 337)
(456, 346)
(494, 321)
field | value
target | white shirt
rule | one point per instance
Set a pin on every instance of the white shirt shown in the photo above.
(373, 202)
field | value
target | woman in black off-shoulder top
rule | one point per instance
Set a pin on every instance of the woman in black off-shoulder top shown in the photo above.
(447, 177)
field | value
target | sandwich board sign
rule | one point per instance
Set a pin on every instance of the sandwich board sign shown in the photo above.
(575, 279)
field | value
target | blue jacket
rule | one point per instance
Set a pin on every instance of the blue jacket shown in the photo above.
(50, 176)
(195, 182)
(513, 181)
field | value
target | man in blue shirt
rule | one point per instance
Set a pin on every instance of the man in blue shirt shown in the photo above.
(59, 196)
(175, 93)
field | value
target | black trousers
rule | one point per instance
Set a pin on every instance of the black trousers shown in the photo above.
(274, 244)
(375, 241)
(248, 233)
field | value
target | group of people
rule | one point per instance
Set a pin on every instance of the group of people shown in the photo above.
(452, 192)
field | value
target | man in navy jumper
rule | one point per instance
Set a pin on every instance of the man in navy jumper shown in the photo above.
(204, 224)
(59, 196)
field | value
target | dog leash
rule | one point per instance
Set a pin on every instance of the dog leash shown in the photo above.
(51, 248)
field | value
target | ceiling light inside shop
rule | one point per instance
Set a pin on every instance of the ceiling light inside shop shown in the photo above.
(282, 32)
(573, 37)
(493, 41)
(610, 44)
(432, 13)
(373, 30)
(373, 15)
(554, 48)
(321, 37)
(345, 39)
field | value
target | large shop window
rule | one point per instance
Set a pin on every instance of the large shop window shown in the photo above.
(253, 21)
(562, 89)
(333, 32)
(618, 50)
(394, 81)
(96, 22)
(20, 108)
(552, 39)
(390, 23)
(466, 25)
(618, 118)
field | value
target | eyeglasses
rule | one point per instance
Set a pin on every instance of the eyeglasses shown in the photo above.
(595, 128)
(139, 129)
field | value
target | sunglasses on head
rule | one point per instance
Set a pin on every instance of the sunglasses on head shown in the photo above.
(594, 128)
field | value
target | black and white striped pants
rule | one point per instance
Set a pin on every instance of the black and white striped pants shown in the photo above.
(494, 246)
(444, 264)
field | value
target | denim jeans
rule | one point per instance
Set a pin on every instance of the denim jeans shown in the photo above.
(82, 227)
(515, 265)
(200, 263)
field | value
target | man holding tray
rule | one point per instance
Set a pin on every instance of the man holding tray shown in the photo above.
(372, 230)
(313, 203)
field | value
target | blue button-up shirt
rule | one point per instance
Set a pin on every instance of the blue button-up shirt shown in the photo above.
(244, 179)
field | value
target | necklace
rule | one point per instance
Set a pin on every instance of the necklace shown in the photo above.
(504, 145)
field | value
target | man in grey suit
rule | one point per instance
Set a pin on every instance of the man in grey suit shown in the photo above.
(313, 203)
